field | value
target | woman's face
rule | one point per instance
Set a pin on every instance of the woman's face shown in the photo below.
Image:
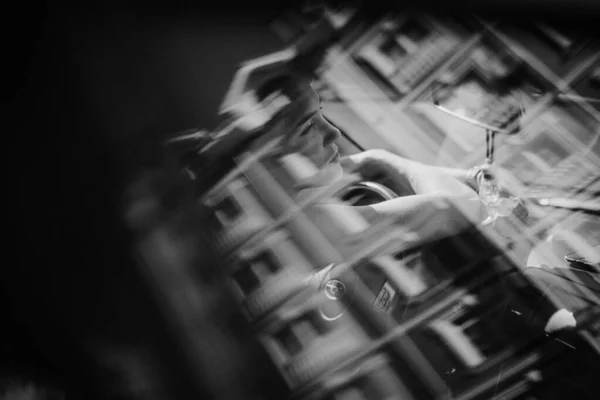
(313, 135)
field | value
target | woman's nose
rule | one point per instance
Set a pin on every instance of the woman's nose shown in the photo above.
(330, 133)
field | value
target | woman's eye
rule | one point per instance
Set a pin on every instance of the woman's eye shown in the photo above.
(307, 128)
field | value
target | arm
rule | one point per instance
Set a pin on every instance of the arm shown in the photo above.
(464, 176)
(441, 207)
(426, 179)
(422, 178)
(428, 217)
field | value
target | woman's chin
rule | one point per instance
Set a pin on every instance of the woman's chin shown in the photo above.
(328, 175)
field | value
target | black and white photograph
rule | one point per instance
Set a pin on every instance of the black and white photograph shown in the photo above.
(307, 200)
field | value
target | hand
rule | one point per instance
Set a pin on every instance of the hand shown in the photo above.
(479, 175)
(378, 165)
(485, 178)
(368, 162)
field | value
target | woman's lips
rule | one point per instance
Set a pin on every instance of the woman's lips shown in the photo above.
(335, 155)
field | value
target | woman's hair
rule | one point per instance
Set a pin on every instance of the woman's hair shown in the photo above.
(290, 84)
(209, 170)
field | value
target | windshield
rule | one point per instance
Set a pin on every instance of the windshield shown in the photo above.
(461, 115)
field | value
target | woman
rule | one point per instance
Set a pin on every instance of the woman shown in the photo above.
(444, 202)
